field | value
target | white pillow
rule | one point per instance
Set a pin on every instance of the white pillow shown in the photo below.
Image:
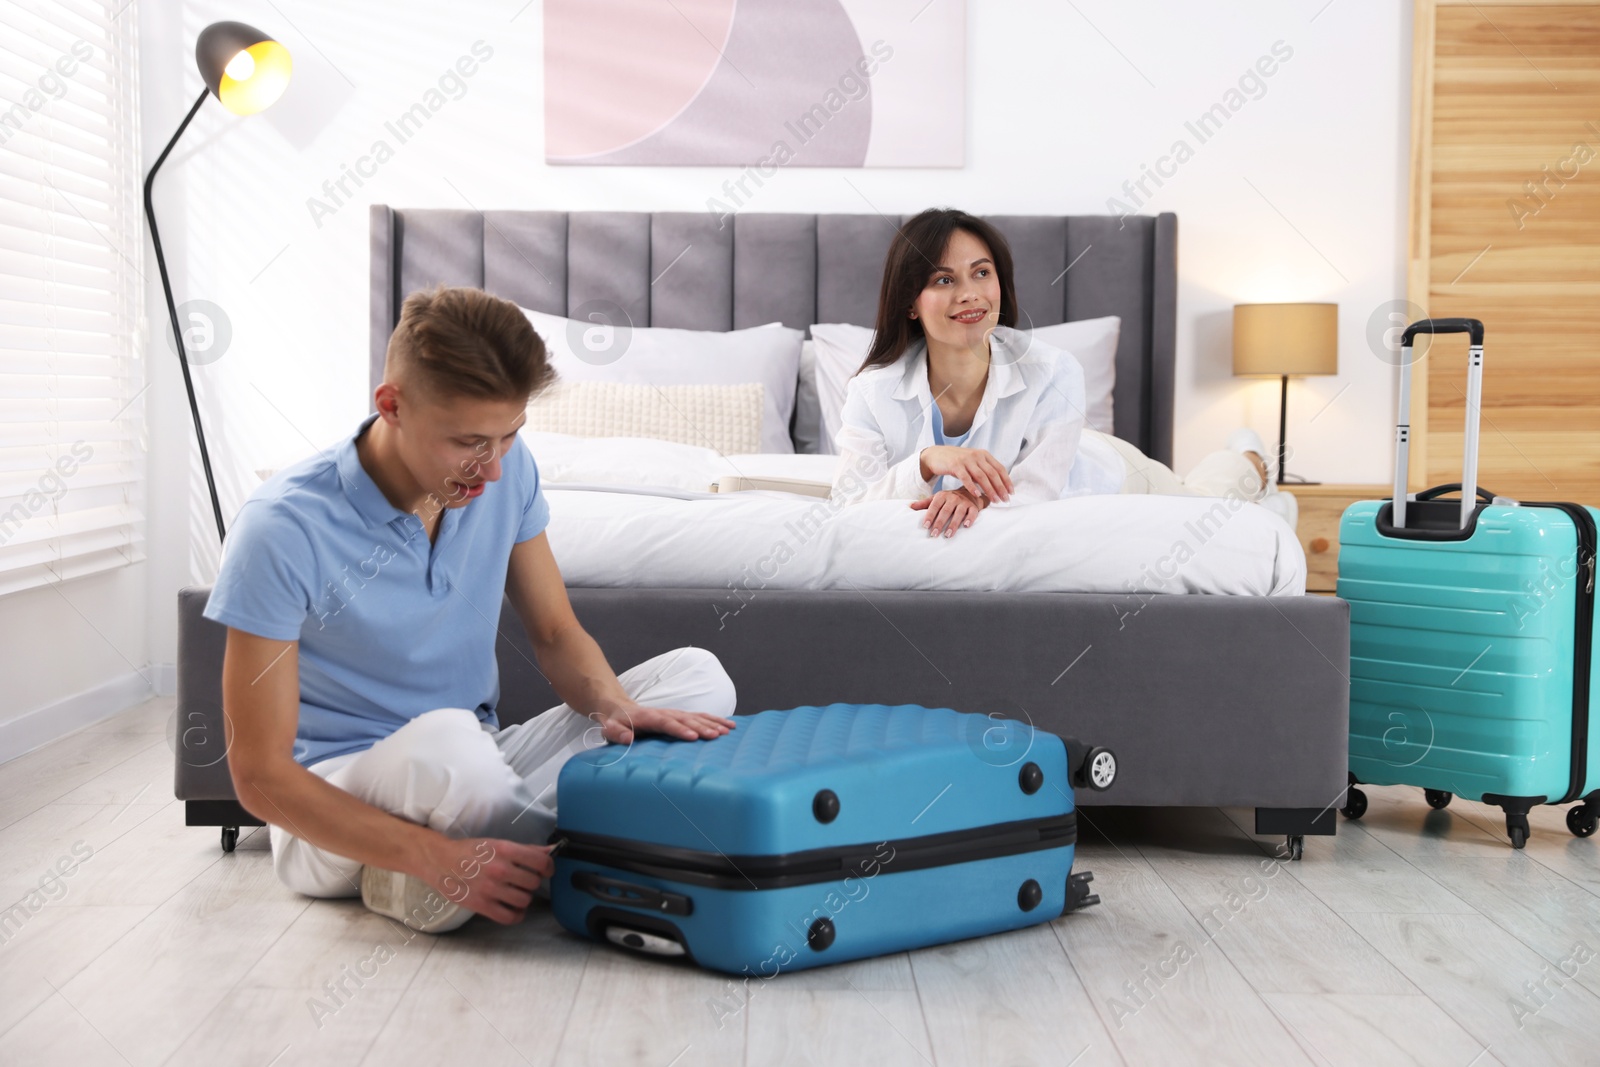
(644, 462)
(843, 347)
(724, 418)
(1094, 343)
(659, 355)
(807, 415)
(620, 461)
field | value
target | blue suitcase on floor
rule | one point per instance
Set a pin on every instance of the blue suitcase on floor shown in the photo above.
(821, 834)
(1472, 637)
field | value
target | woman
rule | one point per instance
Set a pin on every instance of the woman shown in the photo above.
(968, 413)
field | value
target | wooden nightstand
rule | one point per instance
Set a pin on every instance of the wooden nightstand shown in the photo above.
(1318, 528)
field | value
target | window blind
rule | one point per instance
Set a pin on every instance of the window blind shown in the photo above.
(71, 292)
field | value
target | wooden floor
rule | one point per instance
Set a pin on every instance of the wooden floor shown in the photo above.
(1413, 937)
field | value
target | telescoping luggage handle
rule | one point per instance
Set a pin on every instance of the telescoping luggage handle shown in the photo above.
(1402, 434)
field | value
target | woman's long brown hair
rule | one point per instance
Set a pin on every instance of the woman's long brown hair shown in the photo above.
(912, 256)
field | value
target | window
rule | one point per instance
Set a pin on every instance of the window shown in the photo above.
(71, 292)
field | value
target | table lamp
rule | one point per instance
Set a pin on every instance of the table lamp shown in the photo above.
(1283, 341)
(247, 71)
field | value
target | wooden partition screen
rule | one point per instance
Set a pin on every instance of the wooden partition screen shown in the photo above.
(1505, 227)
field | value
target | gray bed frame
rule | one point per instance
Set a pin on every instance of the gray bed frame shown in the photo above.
(1206, 700)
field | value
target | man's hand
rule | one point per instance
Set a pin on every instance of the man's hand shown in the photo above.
(620, 720)
(490, 876)
(949, 510)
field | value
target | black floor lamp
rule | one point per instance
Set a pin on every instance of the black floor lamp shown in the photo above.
(247, 71)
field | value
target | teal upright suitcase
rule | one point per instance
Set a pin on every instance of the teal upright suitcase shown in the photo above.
(1472, 636)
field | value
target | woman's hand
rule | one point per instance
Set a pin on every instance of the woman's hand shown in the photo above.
(949, 510)
(972, 467)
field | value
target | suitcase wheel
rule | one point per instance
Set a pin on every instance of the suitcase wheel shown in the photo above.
(1078, 895)
(1295, 846)
(1101, 764)
(1438, 799)
(1355, 804)
(1094, 767)
(1582, 820)
(230, 837)
(1516, 809)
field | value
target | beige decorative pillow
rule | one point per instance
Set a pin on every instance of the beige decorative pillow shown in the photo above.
(726, 418)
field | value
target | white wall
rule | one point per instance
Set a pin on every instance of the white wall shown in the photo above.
(1300, 196)
(73, 653)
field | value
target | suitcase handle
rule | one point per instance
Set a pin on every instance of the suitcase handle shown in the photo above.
(632, 894)
(1438, 491)
(1473, 328)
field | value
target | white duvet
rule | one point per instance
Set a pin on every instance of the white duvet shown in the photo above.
(631, 513)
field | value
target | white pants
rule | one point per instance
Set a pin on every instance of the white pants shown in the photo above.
(446, 770)
(1221, 473)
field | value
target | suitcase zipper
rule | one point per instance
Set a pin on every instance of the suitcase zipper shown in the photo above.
(718, 870)
(1584, 654)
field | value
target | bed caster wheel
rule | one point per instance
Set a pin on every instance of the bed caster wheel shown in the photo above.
(1438, 799)
(230, 838)
(1296, 846)
(1100, 769)
(1582, 820)
(1355, 804)
(1517, 829)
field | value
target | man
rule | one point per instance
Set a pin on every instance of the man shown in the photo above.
(361, 590)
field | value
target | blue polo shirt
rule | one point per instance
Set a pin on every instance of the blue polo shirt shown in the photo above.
(390, 624)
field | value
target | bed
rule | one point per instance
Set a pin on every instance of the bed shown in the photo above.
(1217, 685)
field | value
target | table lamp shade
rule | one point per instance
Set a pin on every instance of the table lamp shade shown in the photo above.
(243, 67)
(1285, 339)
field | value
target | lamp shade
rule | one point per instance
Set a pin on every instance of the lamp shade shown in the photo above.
(243, 67)
(1285, 339)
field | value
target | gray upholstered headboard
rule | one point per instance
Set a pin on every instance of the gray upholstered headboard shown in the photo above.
(791, 268)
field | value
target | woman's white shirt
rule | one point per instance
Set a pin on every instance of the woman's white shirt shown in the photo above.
(1031, 418)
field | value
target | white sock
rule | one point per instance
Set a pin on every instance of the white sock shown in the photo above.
(1245, 440)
